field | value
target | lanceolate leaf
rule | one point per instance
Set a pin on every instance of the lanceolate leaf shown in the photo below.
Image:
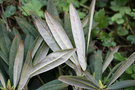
(67, 26)
(122, 84)
(78, 82)
(41, 53)
(46, 34)
(111, 72)
(53, 85)
(59, 34)
(12, 55)
(37, 43)
(5, 42)
(123, 67)
(25, 74)
(18, 63)
(28, 43)
(78, 35)
(91, 21)
(110, 58)
(98, 65)
(52, 60)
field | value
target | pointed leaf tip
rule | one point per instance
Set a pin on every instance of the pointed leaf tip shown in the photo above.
(78, 34)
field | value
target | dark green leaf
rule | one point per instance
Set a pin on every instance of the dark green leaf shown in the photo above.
(5, 41)
(26, 27)
(51, 8)
(122, 84)
(10, 10)
(98, 65)
(53, 85)
(131, 38)
(107, 39)
(29, 39)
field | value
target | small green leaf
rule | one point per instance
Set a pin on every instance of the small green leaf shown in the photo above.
(119, 57)
(118, 17)
(121, 31)
(33, 6)
(129, 70)
(101, 18)
(120, 21)
(133, 67)
(133, 76)
(131, 38)
(125, 10)
(10, 10)
(107, 39)
(81, 14)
